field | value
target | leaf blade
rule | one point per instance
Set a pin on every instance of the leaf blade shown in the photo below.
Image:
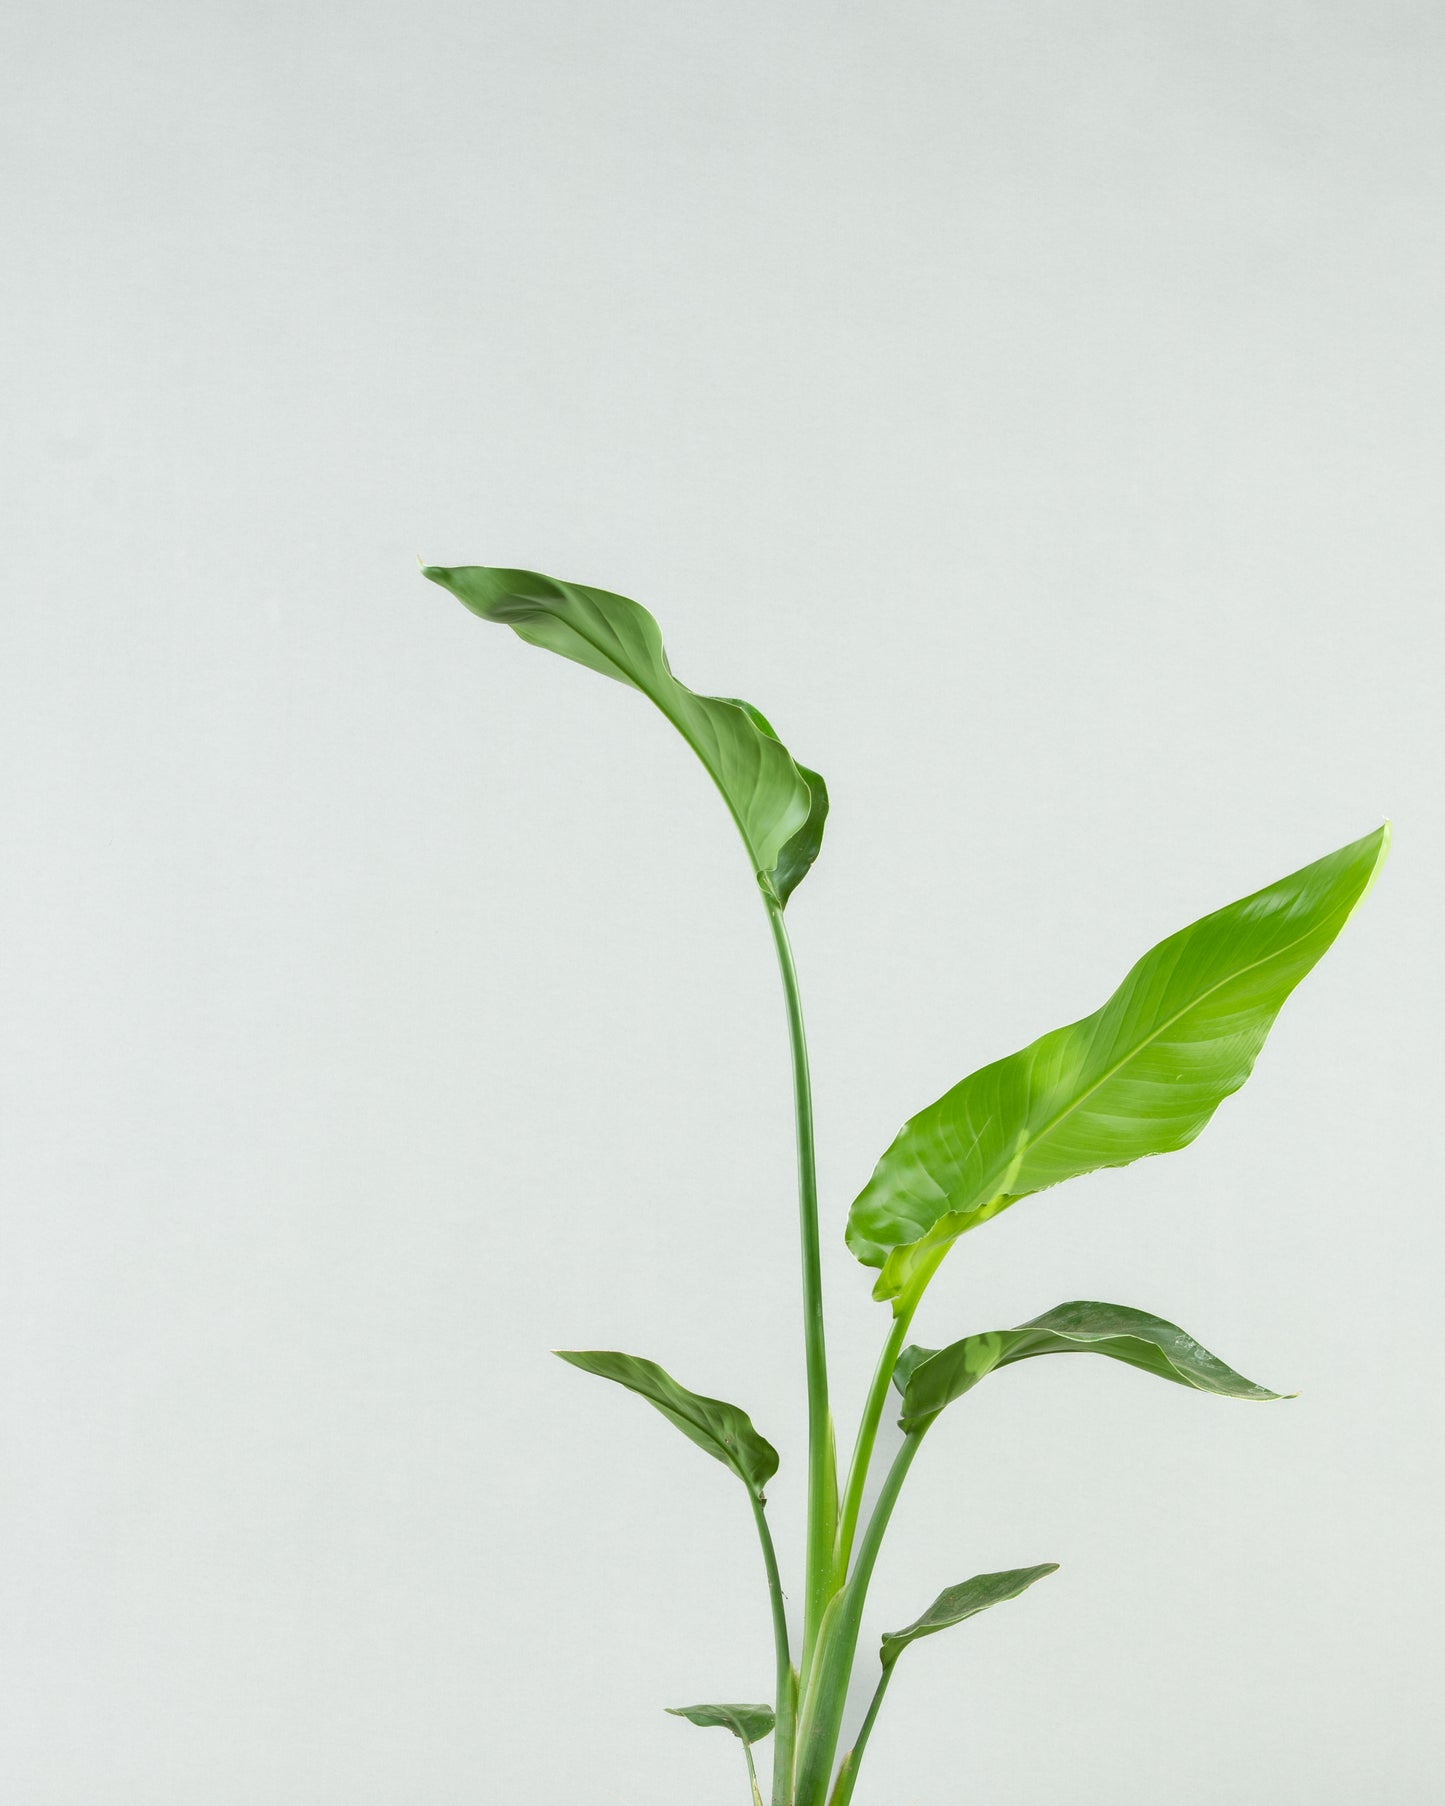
(749, 1723)
(1141, 1076)
(778, 805)
(724, 1431)
(966, 1600)
(930, 1380)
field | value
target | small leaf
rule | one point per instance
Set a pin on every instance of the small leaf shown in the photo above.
(1141, 1076)
(751, 1723)
(778, 805)
(930, 1380)
(960, 1602)
(723, 1430)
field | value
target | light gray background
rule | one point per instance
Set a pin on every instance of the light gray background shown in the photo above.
(1036, 409)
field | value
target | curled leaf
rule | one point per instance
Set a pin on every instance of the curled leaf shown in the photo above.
(778, 805)
(726, 1432)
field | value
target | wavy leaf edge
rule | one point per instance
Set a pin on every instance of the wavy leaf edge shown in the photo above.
(929, 1380)
(956, 1604)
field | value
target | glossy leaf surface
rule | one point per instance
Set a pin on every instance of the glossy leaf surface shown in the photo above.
(960, 1602)
(726, 1432)
(930, 1379)
(1141, 1076)
(778, 805)
(751, 1723)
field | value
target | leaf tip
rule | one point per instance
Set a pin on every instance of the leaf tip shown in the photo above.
(1379, 840)
(1386, 833)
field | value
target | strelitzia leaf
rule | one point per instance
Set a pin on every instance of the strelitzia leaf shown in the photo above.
(929, 1379)
(960, 1602)
(1142, 1075)
(723, 1430)
(747, 1723)
(751, 1723)
(778, 805)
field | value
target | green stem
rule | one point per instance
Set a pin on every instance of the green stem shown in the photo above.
(752, 1773)
(904, 1307)
(828, 1690)
(822, 1467)
(867, 1436)
(848, 1769)
(785, 1707)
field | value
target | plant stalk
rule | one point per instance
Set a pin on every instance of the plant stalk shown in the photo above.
(863, 1447)
(903, 1311)
(752, 1773)
(822, 1465)
(827, 1692)
(785, 1707)
(848, 1768)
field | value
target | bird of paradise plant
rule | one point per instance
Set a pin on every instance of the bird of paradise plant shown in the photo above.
(1142, 1075)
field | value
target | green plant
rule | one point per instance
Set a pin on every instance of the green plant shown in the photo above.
(1140, 1076)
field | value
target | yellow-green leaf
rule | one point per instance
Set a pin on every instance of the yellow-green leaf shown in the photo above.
(1142, 1075)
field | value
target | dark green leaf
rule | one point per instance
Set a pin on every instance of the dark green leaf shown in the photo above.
(960, 1602)
(779, 806)
(751, 1723)
(723, 1430)
(930, 1380)
(1142, 1075)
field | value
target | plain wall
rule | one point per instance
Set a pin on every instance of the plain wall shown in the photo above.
(1035, 409)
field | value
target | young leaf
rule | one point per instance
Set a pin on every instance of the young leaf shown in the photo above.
(751, 1723)
(930, 1380)
(1142, 1075)
(747, 1723)
(778, 805)
(723, 1430)
(960, 1602)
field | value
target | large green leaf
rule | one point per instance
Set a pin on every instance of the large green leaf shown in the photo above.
(778, 805)
(1142, 1075)
(723, 1430)
(957, 1603)
(751, 1723)
(930, 1379)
